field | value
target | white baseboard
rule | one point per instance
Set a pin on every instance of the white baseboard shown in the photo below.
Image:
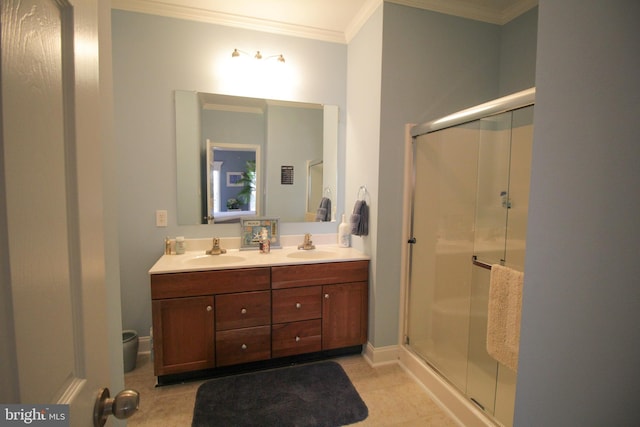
(381, 355)
(144, 345)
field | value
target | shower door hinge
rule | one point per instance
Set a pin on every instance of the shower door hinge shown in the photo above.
(412, 240)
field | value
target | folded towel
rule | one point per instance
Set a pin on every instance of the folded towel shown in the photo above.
(360, 219)
(503, 321)
(324, 210)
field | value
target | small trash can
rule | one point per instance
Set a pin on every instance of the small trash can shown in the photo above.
(129, 349)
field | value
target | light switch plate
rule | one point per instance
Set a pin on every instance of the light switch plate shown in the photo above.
(161, 218)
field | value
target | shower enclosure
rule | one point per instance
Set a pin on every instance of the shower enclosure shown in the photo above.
(470, 202)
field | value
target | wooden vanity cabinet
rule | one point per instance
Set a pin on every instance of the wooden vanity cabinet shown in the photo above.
(184, 315)
(222, 318)
(343, 287)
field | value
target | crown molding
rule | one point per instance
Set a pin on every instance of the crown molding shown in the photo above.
(462, 8)
(470, 10)
(361, 18)
(154, 7)
(517, 9)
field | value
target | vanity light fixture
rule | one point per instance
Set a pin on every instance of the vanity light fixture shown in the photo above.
(236, 53)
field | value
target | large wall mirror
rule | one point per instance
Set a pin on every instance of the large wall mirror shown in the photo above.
(239, 157)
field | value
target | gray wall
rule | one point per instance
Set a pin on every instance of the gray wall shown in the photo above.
(518, 53)
(152, 57)
(580, 338)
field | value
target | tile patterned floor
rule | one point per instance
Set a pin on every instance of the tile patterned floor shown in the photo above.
(392, 396)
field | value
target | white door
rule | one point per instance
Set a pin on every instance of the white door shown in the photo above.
(53, 273)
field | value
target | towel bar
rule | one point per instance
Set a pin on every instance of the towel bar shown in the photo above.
(474, 261)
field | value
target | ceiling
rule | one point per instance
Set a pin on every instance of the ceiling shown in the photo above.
(329, 20)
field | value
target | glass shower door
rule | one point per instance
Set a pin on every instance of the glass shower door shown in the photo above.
(489, 243)
(444, 213)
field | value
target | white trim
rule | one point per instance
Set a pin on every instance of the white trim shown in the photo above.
(461, 8)
(144, 345)
(211, 17)
(470, 10)
(517, 9)
(380, 356)
(361, 18)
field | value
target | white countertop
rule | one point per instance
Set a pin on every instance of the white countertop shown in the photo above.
(234, 258)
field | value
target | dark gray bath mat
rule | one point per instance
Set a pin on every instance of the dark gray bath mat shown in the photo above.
(317, 394)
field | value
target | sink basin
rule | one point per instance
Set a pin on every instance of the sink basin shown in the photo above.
(205, 260)
(312, 254)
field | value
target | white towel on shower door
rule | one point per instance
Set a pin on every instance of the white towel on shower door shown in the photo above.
(504, 312)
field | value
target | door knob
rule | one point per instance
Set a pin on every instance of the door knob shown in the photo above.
(122, 406)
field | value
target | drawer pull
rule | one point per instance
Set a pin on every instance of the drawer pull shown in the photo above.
(243, 346)
(298, 305)
(326, 296)
(243, 311)
(297, 339)
(209, 308)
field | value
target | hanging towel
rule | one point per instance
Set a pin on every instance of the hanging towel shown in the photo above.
(324, 210)
(503, 321)
(360, 219)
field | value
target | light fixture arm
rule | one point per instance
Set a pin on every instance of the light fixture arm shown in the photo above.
(237, 52)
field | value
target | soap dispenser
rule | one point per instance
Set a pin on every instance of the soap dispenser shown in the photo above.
(180, 248)
(344, 233)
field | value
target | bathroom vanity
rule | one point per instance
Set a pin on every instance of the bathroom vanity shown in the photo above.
(257, 310)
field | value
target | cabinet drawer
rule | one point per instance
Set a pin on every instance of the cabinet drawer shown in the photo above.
(291, 305)
(243, 310)
(243, 345)
(179, 285)
(296, 338)
(291, 276)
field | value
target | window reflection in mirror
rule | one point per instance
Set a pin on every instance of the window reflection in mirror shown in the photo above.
(291, 134)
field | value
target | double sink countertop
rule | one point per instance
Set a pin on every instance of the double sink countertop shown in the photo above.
(198, 260)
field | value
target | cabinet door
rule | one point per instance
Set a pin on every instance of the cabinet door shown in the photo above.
(344, 315)
(183, 334)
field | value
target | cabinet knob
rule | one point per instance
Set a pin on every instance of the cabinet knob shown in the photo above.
(297, 339)
(243, 346)
(209, 308)
(243, 311)
(326, 296)
(298, 305)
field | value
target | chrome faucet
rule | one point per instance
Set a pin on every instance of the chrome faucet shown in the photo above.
(307, 244)
(216, 249)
